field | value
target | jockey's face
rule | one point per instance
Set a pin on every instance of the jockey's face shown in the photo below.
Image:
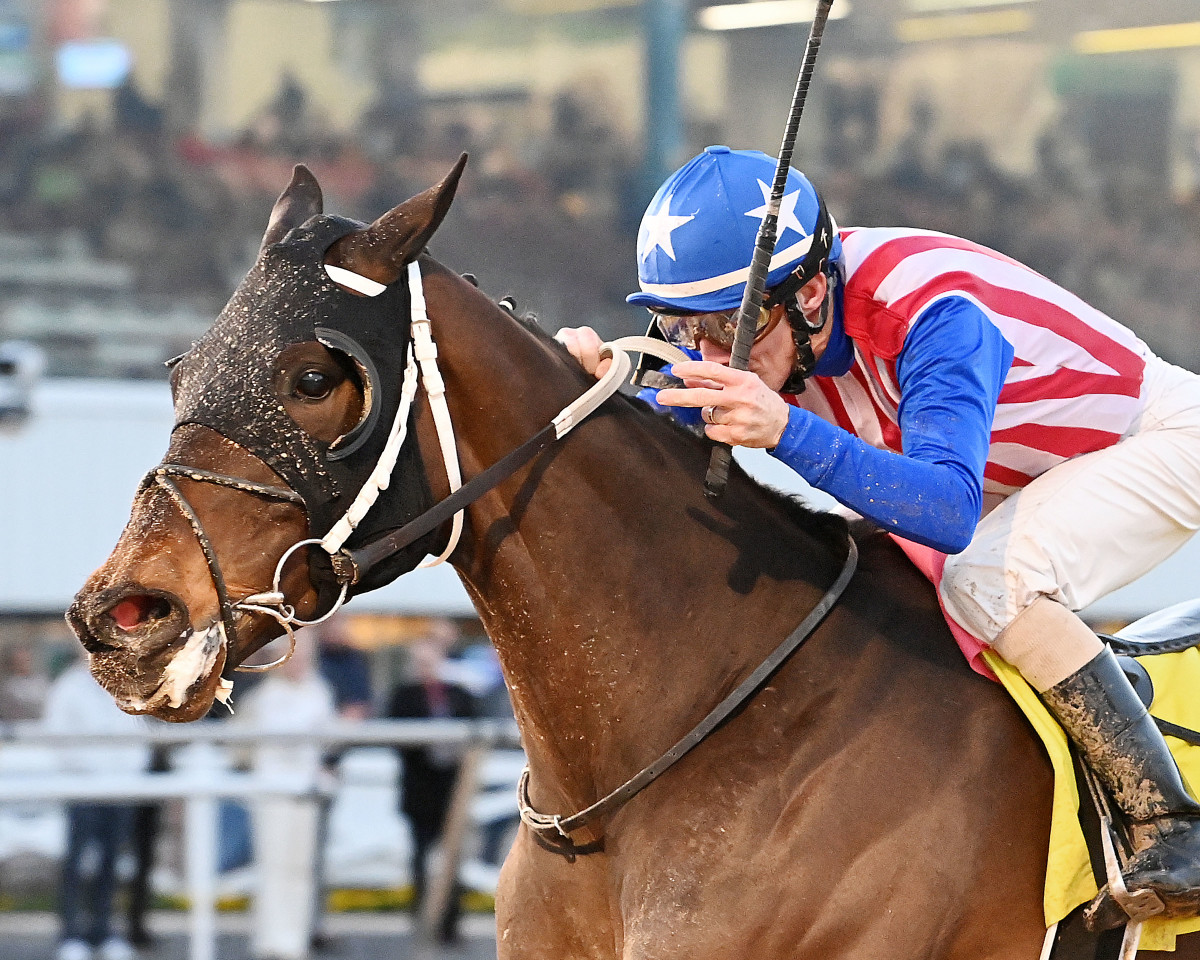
(774, 356)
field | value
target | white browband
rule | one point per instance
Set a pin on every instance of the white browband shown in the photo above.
(355, 281)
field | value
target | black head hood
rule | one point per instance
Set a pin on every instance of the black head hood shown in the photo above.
(225, 383)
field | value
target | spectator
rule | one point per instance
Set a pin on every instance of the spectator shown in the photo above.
(23, 688)
(145, 828)
(477, 669)
(910, 167)
(132, 112)
(345, 668)
(291, 101)
(429, 773)
(96, 832)
(291, 699)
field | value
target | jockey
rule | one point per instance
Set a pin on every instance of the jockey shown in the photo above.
(960, 400)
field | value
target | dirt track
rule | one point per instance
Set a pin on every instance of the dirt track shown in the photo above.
(381, 936)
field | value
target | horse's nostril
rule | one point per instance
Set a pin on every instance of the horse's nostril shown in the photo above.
(134, 611)
(159, 610)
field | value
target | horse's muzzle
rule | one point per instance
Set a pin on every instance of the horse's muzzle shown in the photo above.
(144, 652)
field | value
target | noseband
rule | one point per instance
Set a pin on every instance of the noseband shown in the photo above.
(164, 476)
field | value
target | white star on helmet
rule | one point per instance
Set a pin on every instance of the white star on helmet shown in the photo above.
(787, 210)
(657, 228)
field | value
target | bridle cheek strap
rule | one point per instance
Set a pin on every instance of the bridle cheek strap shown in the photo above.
(356, 562)
(435, 390)
(424, 353)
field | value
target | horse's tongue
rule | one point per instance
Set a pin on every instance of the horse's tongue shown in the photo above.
(129, 612)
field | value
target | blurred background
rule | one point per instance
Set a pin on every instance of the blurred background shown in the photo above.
(142, 143)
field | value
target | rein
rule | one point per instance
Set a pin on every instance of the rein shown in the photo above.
(350, 565)
(554, 830)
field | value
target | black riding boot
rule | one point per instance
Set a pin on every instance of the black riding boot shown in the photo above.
(1100, 711)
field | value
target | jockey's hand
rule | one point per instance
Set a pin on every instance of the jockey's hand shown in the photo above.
(737, 407)
(583, 343)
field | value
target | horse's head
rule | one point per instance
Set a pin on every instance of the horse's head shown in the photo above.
(282, 410)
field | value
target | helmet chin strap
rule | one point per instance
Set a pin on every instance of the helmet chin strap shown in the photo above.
(803, 330)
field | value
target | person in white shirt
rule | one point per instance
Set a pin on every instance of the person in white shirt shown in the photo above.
(291, 699)
(96, 832)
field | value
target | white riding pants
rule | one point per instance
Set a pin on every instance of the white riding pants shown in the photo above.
(1092, 524)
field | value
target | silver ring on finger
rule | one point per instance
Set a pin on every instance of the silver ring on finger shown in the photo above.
(708, 415)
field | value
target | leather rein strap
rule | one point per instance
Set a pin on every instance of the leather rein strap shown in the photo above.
(554, 831)
(351, 564)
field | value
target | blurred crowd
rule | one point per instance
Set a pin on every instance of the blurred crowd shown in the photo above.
(1114, 236)
(554, 217)
(280, 840)
(187, 214)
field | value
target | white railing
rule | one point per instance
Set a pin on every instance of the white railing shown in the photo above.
(200, 779)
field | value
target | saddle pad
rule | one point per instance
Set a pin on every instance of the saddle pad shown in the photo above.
(1069, 879)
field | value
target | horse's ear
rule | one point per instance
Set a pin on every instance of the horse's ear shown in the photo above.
(298, 203)
(381, 251)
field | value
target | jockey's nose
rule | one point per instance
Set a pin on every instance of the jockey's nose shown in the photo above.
(129, 614)
(714, 351)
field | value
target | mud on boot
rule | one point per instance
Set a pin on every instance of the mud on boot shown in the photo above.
(1167, 865)
(1106, 719)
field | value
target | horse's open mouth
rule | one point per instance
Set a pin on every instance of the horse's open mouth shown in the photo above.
(188, 684)
(201, 658)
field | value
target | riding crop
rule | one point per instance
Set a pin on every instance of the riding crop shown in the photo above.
(764, 245)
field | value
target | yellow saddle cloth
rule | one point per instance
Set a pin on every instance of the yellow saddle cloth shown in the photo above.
(1069, 879)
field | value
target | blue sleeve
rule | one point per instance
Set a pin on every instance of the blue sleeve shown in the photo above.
(951, 370)
(687, 416)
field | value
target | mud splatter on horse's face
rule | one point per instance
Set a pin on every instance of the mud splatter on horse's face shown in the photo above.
(278, 408)
(148, 617)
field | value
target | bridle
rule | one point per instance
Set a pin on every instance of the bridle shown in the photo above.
(273, 602)
(350, 565)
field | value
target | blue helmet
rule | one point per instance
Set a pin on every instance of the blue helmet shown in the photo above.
(697, 236)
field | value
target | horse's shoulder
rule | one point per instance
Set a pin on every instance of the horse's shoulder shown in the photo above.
(901, 620)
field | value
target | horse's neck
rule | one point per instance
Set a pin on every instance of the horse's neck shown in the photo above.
(615, 594)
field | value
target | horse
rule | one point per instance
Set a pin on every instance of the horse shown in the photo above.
(873, 799)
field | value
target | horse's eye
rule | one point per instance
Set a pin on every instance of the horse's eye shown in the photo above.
(314, 385)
